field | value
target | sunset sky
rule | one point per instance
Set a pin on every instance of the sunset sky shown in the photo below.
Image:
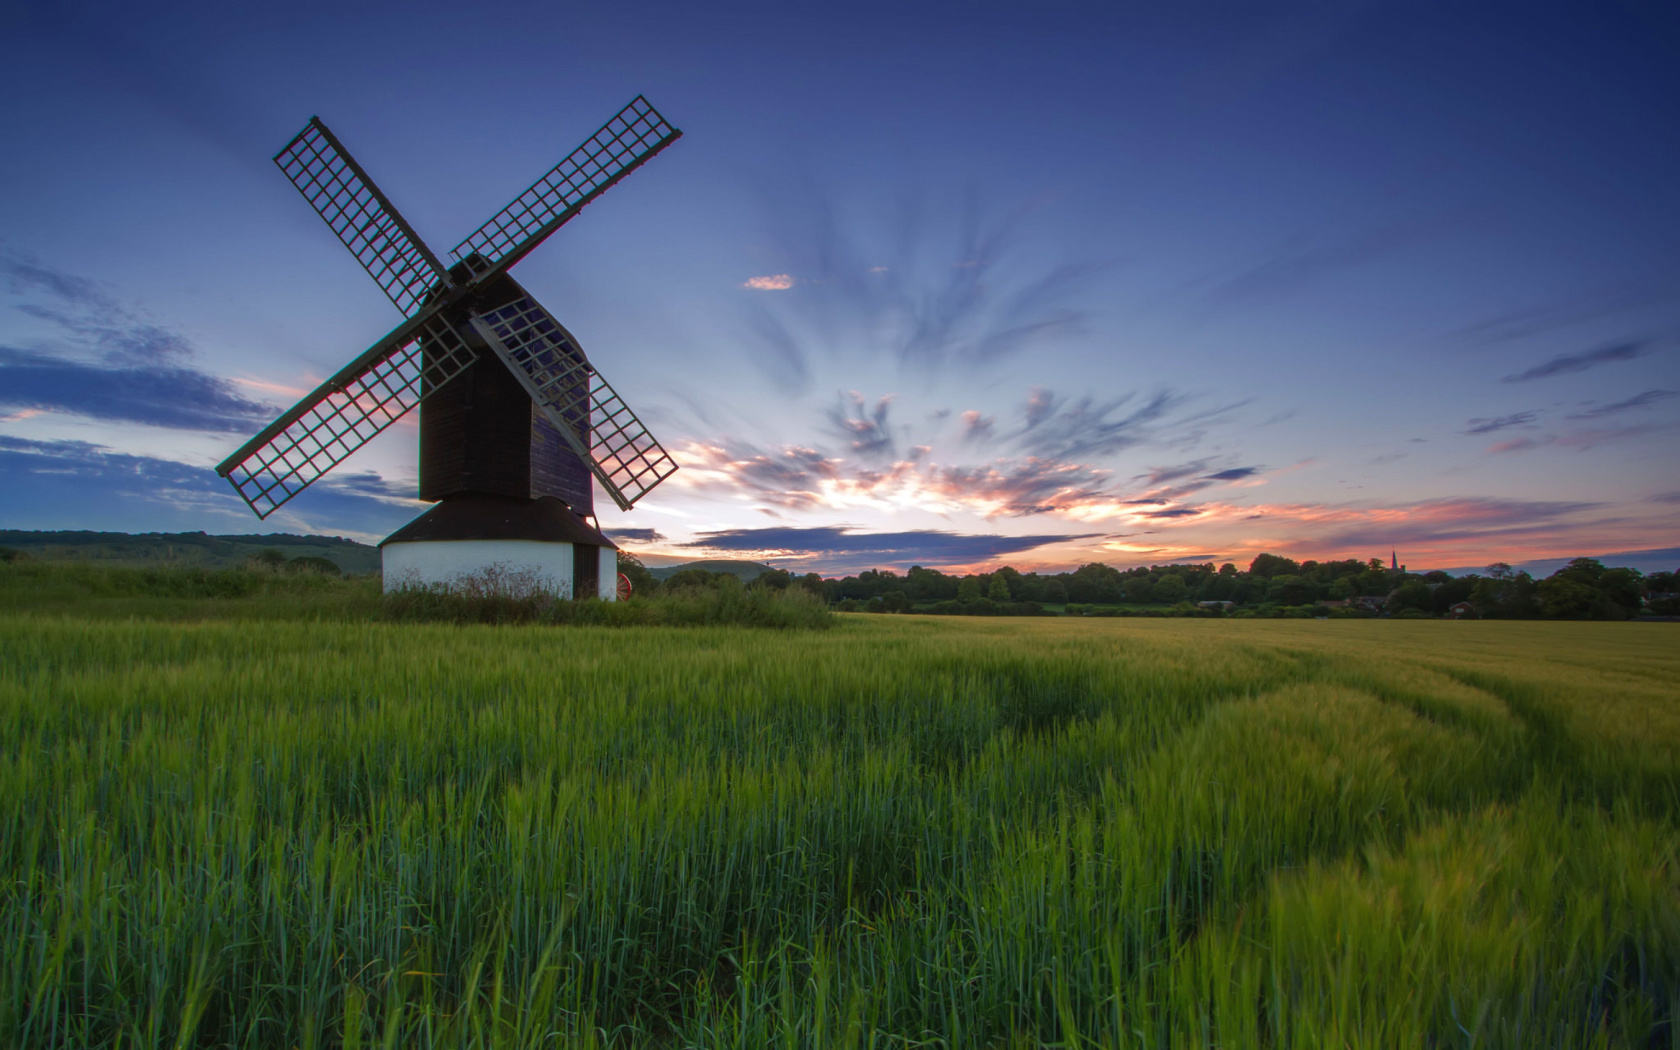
(1041, 284)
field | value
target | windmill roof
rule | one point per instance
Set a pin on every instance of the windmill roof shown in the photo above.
(477, 516)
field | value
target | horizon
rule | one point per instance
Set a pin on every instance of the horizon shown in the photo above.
(1645, 561)
(1041, 290)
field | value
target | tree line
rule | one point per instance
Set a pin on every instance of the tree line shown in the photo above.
(1272, 585)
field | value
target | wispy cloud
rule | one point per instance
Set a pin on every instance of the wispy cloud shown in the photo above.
(774, 282)
(64, 484)
(181, 398)
(638, 535)
(927, 288)
(107, 362)
(1488, 426)
(1645, 400)
(863, 426)
(846, 549)
(1086, 427)
(976, 427)
(1301, 264)
(1555, 315)
(1570, 363)
(1234, 474)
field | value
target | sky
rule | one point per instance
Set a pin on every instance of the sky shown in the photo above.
(949, 285)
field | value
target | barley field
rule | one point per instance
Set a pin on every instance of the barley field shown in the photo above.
(325, 831)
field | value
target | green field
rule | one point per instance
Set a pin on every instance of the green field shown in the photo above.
(310, 829)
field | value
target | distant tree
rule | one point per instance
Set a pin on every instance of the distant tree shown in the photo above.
(812, 582)
(929, 584)
(1372, 581)
(771, 580)
(1625, 587)
(1289, 589)
(693, 580)
(1227, 569)
(1343, 588)
(969, 589)
(1011, 581)
(1566, 598)
(1507, 597)
(271, 557)
(1269, 565)
(1055, 591)
(998, 590)
(1501, 570)
(1413, 594)
(1170, 588)
(642, 582)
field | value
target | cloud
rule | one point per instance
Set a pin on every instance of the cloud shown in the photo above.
(638, 536)
(1300, 265)
(1234, 474)
(1040, 404)
(1649, 397)
(1551, 316)
(775, 282)
(85, 313)
(75, 484)
(1488, 426)
(976, 427)
(1522, 444)
(848, 549)
(1161, 475)
(1570, 363)
(1087, 428)
(181, 398)
(106, 362)
(863, 427)
(927, 287)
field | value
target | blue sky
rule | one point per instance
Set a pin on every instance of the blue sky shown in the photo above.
(952, 285)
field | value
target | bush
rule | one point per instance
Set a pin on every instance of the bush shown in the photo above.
(793, 607)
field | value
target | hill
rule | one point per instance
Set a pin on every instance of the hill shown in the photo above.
(746, 570)
(187, 549)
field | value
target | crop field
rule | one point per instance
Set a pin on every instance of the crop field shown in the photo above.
(322, 831)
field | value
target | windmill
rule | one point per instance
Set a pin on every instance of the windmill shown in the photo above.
(515, 420)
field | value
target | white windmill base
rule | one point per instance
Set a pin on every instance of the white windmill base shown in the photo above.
(514, 568)
(484, 545)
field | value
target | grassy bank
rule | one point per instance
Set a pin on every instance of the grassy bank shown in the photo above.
(903, 832)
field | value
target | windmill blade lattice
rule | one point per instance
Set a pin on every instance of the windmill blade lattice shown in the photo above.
(623, 144)
(345, 412)
(582, 405)
(368, 224)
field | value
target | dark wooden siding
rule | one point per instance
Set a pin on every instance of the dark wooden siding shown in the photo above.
(475, 435)
(556, 470)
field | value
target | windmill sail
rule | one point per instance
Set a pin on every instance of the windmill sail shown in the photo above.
(345, 412)
(576, 399)
(623, 144)
(368, 224)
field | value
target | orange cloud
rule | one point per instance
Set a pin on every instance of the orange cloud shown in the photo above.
(775, 282)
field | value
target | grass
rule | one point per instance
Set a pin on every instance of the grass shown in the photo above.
(302, 830)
